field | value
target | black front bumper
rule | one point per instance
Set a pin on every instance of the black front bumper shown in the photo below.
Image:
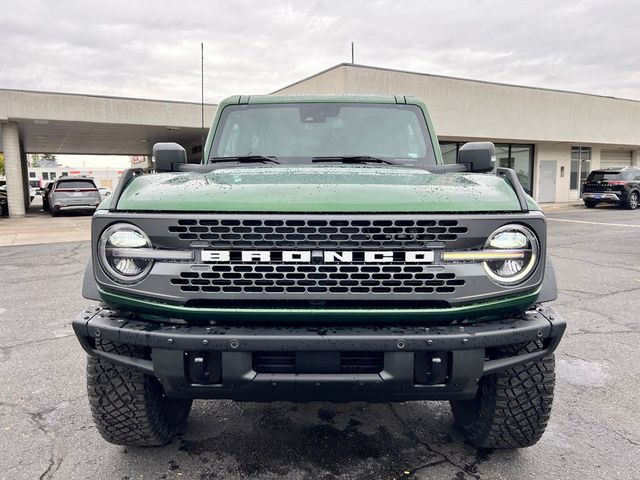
(416, 362)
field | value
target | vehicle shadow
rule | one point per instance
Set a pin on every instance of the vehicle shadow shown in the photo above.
(324, 440)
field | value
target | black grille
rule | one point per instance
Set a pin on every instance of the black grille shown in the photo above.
(301, 279)
(347, 363)
(318, 233)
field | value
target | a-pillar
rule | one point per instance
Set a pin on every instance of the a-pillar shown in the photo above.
(13, 169)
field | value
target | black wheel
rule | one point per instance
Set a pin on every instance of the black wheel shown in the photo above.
(512, 407)
(632, 201)
(129, 407)
(589, 204)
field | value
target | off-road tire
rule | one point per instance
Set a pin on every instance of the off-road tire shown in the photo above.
(512, 407)
(590, 204)
(129, 407)
(632, 201)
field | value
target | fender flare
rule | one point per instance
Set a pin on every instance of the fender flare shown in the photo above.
(549, 287)
(89, 285)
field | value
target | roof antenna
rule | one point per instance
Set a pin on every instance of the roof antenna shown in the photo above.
(353, 53)
(202, 99)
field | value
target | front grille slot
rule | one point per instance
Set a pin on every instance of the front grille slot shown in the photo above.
(318, 233)
(318, 362)
(323, 279)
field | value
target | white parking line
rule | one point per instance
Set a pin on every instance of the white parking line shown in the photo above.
(593, 223)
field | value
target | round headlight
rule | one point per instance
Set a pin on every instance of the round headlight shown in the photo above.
(523, 243)
(115, 248)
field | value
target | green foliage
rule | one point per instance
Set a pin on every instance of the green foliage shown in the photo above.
(45, 159)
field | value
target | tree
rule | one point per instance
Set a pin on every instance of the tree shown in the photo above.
(1, 164)
(44, 160)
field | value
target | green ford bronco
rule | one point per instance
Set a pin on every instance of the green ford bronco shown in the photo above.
(320, 251)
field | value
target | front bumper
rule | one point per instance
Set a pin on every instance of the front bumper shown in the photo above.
(174, 353)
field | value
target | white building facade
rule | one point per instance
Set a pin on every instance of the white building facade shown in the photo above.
(103, 176)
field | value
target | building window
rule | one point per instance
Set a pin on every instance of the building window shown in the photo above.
(449, 152)
(52, 175)
(45, 175)
(32, 174)
(521, 160)
(508, 155)
(580, 166)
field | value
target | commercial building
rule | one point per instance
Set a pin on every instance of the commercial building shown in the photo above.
(62, 123)
(103, 176)
(552, 138)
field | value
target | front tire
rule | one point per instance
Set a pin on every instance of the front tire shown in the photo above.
(589, 204)
(129, 407)
(512, 407)
(632, 201)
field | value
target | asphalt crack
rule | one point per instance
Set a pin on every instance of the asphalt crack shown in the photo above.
(38, 278)
(610, 332)
(624, 437)
(5, 354)
(57, 450)
(597, 313)
(595, 264)
(468, 469)
(6, 350)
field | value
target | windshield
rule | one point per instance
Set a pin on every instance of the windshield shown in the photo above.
(603, 176)
(76, 184)
(298, 132)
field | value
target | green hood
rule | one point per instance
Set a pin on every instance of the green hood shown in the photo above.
(314, 188)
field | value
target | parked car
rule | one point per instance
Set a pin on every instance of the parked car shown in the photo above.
(620, 186)
(73, 193)
(4, 204)
(104, 192)
(45, 196)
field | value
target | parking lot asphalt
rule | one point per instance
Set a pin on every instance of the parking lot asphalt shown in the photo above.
(46, 429)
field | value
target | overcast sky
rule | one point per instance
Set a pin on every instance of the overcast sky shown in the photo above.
(150, 49)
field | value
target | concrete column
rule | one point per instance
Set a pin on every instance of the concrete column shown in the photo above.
(13, 169)
(25, 177)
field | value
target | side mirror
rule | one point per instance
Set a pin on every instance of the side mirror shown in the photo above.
(166, 155)
(477, 156)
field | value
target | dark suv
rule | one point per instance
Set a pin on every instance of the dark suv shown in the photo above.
(613, 185)
(4, 203)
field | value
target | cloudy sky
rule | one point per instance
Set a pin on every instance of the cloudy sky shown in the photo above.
(150, 49)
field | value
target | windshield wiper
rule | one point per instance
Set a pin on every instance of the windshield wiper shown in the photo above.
(245, 159)
(353, 159)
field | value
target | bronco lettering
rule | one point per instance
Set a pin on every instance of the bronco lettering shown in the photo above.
(305, 256)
